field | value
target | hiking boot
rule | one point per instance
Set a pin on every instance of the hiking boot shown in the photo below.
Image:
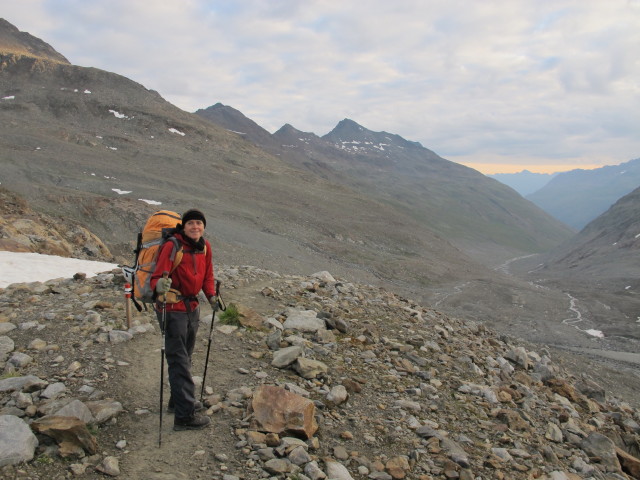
(194, 422)
(171, 408)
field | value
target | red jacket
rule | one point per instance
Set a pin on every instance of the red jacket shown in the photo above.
(194, 273)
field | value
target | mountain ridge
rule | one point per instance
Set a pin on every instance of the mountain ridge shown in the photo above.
(578, 196)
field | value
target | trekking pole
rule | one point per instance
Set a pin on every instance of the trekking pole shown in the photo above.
(163, 325)
(213, 317)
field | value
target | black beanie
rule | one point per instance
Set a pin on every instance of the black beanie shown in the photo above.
(193, 214)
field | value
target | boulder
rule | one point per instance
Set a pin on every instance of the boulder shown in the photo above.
(70, 433)
(286, 356)
(600, 446)
(277, 410)
(308, 368)
(17, 441)
(303, 321)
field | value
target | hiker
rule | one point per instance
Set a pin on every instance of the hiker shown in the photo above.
(180, 290)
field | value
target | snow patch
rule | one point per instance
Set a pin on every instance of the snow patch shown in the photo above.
(10, 97)
(35, 267)
(121, 192)
(150, 202)
(595, 333)
(173, 130)
(118, 114)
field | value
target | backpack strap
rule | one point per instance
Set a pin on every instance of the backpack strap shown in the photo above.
(176, 253)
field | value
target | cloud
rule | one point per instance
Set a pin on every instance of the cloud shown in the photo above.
(516, 81)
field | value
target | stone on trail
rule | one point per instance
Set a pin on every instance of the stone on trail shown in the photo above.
(70, 433)
(17, 441)
(104, 410)
(28, 383)
(6, 347)
(277, 410)
(303, 321)
(337, 471)
(53, 390)
(249, 318)
(76, 409)
(337, 395)
(308, 368)
(109, 466)
(286, 356)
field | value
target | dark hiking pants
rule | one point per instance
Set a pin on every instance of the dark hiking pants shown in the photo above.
(180, 340)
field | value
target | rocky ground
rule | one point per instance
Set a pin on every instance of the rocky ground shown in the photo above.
(326, 379)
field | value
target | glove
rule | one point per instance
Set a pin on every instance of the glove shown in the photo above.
(213, 301)
(163, 286)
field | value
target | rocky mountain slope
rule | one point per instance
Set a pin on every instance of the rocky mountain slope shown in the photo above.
(579, 196)
(477, 214)
(379, 386)
(23, 230)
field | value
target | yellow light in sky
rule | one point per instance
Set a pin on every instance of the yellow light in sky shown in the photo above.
(493, 168)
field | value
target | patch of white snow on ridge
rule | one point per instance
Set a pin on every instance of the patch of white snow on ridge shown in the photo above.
(121, 192)
(150, 202)
(595, 333)
(10, 97)
(118, 114)
(173, 130)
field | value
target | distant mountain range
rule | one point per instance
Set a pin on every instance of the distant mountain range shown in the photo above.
(524, 182)
(578, 196)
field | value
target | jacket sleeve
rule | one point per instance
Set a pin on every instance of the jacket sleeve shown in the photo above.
(208, 286)
(163, 264)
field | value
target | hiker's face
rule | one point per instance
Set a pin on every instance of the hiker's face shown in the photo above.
(194, 229)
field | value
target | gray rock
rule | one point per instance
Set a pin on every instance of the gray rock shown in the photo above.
(76, 409)
(109, 466)
(324, 276)
(337, 395)
(313, 471)
(119, 336)
(28, 383)
(20, 360)
(53, 390)
(303, 321)
(308, 368)
(6, 327)
(6, 347)
(274, 338)
(337, 471)
(299, 456)
(455, 452)
(553, 433)
(277, 466)
(17, 441)
(104, 410)
(286, 356)
(597, 445)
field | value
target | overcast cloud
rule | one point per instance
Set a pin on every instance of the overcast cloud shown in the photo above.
(537, 84)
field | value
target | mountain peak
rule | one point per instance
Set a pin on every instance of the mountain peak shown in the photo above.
(347, 128)
(15, 42)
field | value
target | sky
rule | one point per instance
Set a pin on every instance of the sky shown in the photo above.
(35, 267)
(501, 86)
